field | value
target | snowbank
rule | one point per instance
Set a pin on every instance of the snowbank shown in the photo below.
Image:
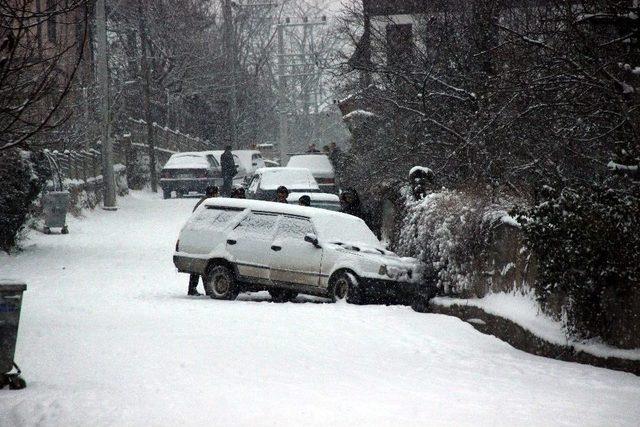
(522, 309)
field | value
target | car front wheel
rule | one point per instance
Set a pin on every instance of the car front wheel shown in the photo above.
(345, 286)
(221, 283)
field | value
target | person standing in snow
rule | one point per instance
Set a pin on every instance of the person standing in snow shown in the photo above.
(304, 200)
(229, 170)
(350, 203)
(281, 194)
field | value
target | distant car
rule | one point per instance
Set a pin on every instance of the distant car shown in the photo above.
(189, 171)
(271, 163)
(251, 160)
(239, 245)
(265, 182)
(320, 167)
(242, 175)
(318, 200)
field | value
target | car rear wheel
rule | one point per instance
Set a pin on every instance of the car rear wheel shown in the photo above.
(221, 283)
(282, 295)
(166, 194)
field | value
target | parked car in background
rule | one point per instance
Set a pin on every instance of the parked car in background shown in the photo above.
(318, 200)
(239, 245)
(251, 160)
(271, 163)
(320, 167)
(242, 174)
(190, 171)
(265, 182)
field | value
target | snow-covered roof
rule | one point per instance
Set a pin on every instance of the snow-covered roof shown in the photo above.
(194, 160)
(316, 163)
(292, 178)
(317, 197)
(331, 226)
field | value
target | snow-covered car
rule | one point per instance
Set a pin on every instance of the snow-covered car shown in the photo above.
(265, 182)
(251, 160)
(239, 245)
(189, 171)
(320, 167)
(318, 200)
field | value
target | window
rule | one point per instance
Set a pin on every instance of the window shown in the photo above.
(212, 218)
(253, 185)
(261, 224)
(295, 228)
(212, 161)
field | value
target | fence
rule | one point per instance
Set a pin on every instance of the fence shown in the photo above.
(166, 141)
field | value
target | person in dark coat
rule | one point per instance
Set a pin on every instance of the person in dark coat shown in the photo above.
(350, 203)
(304, 200)
(239, 193)
(281, 194)
(229, 170)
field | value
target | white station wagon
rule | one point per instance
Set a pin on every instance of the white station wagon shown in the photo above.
(240, 245)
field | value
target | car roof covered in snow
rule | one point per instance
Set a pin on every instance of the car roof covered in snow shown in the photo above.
(319, 197)
(292, 178)
(190, 159)
(332, 226)
(318, 163)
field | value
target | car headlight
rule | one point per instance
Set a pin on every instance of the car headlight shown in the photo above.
(383, 270)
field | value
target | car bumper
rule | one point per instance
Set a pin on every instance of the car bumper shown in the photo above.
(383, 291)
(186, 264)
(189, 184)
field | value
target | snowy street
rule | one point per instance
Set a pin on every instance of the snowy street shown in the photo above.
(109, 337)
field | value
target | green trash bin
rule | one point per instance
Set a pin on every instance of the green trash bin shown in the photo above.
(10, 304)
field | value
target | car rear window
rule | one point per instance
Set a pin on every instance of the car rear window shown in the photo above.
(217, 217)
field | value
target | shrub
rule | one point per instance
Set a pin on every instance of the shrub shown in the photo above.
(587, 242)
(23, 175)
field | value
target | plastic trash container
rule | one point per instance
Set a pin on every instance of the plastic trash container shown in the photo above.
(10, 304)
(55, 205)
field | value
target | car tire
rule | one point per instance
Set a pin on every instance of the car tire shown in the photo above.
(166, 194)
(221, 283)
(345, 286)
(282, 295)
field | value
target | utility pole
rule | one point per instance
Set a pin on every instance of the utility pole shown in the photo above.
(108, 180)
(305, 77)
(283, 110)
(230, 58)
(146, 82)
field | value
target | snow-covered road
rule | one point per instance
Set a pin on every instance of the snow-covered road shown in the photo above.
(108, 337)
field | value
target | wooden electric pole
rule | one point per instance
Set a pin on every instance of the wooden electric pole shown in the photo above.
(108, 179)
(230, 59)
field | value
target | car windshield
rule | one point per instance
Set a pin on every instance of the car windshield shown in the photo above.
(313, 162)
(345, 230)
(289, 177)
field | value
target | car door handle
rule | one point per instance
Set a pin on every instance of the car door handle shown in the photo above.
(231, 241)
(276, 248)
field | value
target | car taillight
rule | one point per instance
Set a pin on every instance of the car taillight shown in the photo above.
(166, 174)
(177, 245)
(325, 180)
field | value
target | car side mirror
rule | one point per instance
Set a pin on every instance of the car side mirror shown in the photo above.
(312, 238)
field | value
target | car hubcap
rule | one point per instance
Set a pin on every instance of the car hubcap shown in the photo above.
(220, 284)
(342, 287)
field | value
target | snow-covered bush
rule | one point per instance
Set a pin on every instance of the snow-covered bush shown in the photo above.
(588, 246)
(449, 231)
(23, 175)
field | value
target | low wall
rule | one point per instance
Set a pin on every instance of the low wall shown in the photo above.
(522, 339)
